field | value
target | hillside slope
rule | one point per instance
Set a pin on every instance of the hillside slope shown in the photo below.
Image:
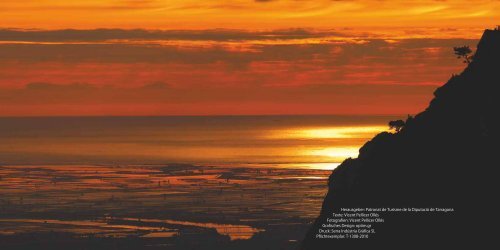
(443, 157)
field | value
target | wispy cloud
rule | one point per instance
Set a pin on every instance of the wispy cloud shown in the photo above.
(250, 14)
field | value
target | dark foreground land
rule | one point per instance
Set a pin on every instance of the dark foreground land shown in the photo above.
(444, 157)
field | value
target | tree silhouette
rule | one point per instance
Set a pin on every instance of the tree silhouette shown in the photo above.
(396, 125)
(463, 52)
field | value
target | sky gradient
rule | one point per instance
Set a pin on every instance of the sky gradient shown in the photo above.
(231, 57)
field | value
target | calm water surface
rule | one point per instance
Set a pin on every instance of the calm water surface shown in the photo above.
(295, 141)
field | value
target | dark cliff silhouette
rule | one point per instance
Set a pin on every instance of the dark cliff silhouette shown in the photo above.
(444, 157)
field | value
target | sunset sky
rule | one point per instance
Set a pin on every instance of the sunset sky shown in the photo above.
(157, 57)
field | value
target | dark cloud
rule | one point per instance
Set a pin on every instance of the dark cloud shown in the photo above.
(328, 53)
(375, 61)
(124, 53)
(336, 54)
(141, 34)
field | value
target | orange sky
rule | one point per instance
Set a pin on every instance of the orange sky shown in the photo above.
(152, 57)
(246, 14)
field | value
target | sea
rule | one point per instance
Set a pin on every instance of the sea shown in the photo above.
(197, 182)
(282, 141)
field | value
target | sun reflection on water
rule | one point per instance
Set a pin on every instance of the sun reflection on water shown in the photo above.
(334, 153)
(339, 143)
(328, 132)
